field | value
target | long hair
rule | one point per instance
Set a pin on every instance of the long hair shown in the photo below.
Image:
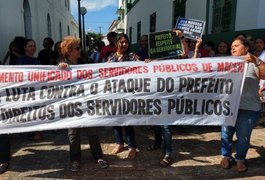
(118, 38)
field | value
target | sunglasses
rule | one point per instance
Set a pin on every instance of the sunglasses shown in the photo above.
(77, 48)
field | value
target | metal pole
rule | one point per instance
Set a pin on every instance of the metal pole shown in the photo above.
(84, 34)
(79, 22)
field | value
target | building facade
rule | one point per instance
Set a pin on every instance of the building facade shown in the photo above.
(224, 18)
(35, 19)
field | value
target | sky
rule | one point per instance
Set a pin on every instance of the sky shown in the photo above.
(99, 16)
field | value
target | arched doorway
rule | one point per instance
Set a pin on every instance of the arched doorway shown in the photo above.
(27, 19)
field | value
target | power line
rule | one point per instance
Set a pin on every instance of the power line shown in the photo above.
(97, 22)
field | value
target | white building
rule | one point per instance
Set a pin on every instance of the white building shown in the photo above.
(224, 18)
(35, 19)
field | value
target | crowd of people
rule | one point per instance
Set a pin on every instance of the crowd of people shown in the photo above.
(68, 53)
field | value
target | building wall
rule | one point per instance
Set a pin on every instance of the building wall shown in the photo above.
(250, 15)
(142, 11)
(196, 9)
(164, 13)
(14, 24)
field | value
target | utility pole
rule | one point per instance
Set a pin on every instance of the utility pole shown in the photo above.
(79, 21)
(100, 27)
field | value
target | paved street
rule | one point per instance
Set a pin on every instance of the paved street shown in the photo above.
(196, 155)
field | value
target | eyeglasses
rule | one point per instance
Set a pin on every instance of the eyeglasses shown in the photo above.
(77, 48)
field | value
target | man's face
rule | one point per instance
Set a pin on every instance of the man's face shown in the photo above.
(144, 43)
(47, 45)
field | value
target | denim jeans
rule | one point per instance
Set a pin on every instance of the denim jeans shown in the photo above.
(167, 140)
(118, 133)
(246, 121)
(166, 132)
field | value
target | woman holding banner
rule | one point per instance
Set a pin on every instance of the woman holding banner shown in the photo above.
(165, 130)
(249, 109)
(71, 51)
(123, 54)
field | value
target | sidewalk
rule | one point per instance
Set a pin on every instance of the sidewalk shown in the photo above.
(196, 153)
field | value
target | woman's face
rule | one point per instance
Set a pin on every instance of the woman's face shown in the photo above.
(30, 48)
(238, 48)
(122, 45)
(222, 48)
(75, 52)
(259, 44)
(58, 48)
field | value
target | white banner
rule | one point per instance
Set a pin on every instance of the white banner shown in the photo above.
(178, 92)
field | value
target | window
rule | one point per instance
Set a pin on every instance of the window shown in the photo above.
(179, 7)
(49, 26)
(223, 16)
(60, 31)
(130, 34)
(27, 19)
(68, 30)
(153, 22)
(138, 30)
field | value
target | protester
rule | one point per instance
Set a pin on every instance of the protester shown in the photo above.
(249, 109)
(194, 48)
(222, 49)
(143, 52)
(29, 59)
(97, 46)
(71, 50)
(46, 55)
(5, 155)
(123, 54)
(107, 50)
(16, 49)
(259, 45)
(165, 130)
(209, 46)
(59, 56)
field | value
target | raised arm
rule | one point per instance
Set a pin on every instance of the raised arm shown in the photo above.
(184, 45)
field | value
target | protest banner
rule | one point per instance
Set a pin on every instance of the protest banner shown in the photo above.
(191, 28)
(178, 92)
(164, 44)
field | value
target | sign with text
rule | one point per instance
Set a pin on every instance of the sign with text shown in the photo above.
(164, 44)
(191, 28)
(178, 92)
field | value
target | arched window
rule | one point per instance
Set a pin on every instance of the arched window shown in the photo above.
(27, 19)
(49, 25)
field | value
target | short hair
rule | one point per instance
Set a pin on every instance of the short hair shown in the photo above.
(243, 41)
(240, 34)
(111, 34)
(144, 36)
(67, 45)
(27, 41)
(49, 40)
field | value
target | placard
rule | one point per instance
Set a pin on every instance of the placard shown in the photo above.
(164, 44)
(191, 28)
